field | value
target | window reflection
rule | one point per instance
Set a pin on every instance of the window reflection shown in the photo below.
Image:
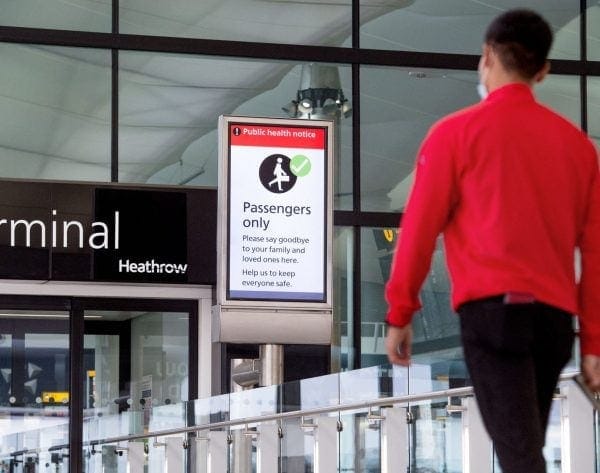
(81, 15)
(55, 109)
(435, 326)
(398, 105)
(395, 121)
(593, 29)
(135, 371)
(170, 105)
(561, 93)
(458, 26)
(291, 22)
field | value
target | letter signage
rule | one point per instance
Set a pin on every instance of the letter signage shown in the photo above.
(275, 210)
(85, 232)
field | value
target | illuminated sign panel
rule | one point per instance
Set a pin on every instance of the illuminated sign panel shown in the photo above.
(277, 210)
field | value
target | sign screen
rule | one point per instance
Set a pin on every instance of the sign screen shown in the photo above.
(277, 212)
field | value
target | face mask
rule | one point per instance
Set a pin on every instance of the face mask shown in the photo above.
(482, 91)
(481, 88)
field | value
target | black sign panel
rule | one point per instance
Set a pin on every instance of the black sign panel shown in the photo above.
(81, 232)
(147, 235)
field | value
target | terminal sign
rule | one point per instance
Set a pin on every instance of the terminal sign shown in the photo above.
(277, 207)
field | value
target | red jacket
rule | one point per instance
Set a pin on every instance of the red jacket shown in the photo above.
(515, 189)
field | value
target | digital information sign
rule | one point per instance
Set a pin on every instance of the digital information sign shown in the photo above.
(278, 223)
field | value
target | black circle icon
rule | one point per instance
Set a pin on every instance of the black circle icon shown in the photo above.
(275, 174)
(237, 131)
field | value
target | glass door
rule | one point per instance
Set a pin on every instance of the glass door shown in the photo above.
(136, 376)
(136, 362)
(34, 390)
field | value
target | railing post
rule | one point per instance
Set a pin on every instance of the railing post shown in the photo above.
(174, 454)
(211, 452)
(109, 459)
(394, 441)
(267, 449)
(199, 446)
(326, 445)
(477, 446)
(241, 461)
(577, 425)
(136, 457)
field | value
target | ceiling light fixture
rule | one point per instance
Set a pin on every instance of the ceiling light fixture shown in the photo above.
(320, 95)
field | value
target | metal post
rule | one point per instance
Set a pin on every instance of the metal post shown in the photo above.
(477, 445)
(271, 374)
(217, 452)
(267, 449)
(326, 445)
(271, 361)
(211, 452)
(174, 454)
(109, 459)
(394, 441)
(577, 440)
(241, 452)
(241, 455)
(136, 457)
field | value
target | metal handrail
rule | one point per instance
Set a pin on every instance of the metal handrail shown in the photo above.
(384, 401)
(454, 392)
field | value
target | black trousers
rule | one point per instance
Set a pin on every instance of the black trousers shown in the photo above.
(515, 353)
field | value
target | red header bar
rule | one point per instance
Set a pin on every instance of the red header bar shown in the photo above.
(243, 134)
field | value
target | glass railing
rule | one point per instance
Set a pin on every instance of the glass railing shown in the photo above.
(379, 419)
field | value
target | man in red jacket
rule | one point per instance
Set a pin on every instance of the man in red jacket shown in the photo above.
(515, 190)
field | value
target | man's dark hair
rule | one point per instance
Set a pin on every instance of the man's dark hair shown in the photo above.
(522, 40)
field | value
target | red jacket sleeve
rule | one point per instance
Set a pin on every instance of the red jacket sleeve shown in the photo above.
(429, 206)
(589, 285)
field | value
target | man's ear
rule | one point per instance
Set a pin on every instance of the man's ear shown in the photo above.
(487, 58)
(541, 75)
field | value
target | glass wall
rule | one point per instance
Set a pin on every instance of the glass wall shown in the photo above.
(80, 15)
(562, 94)
(55, 109)
(458, 26)
(435, 326)
(170, 105)
(327, 23)
(394, 120)
(593, 30)
(171, 86)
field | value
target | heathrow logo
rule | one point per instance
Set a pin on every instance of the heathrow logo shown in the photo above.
(151, 267)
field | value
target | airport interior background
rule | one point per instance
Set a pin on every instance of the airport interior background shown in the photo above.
(129, 92)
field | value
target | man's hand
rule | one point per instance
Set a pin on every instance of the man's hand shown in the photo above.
(398, 344)
(590, 367)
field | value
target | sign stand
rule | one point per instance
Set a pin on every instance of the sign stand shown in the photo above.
(275, 231)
